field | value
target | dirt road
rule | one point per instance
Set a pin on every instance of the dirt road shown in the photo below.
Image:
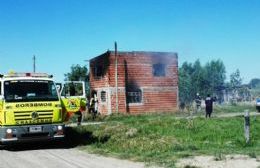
(229, 161)
(31, 157)
(59, 154)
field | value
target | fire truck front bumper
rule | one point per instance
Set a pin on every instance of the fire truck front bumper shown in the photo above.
(13, 134)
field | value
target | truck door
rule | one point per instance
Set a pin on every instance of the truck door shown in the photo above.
(73, 98)
(1, 100)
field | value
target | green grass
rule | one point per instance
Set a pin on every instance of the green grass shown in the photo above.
(162, 139)
(219, 109)
(234, 108)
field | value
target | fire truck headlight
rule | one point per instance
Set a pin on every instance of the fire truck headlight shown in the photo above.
(59, 127)
(9, 131)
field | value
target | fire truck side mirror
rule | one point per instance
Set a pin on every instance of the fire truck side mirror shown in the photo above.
(59, 87)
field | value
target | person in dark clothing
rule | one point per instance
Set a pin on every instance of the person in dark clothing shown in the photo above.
(209, 106)
(79, 113)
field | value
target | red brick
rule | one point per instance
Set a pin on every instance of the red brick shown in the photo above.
(159, 94)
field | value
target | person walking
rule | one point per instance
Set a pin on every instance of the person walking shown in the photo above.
(209, 106)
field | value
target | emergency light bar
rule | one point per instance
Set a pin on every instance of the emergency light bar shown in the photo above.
(39, 75)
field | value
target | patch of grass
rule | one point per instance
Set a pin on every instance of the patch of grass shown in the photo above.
(219, 109)
(162, 139)
(228, 108)
(252, 155)
(188, 166)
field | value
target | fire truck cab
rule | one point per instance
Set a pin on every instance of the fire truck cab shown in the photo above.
(30, 108)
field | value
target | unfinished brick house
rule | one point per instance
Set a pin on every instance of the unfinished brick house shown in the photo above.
(146, 82)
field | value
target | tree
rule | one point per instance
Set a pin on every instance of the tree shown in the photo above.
(194, 78)
(215, 77)
(235, 84)
(235, 79)
(254, 83)
(79, 73)
(191, 77)
(184, 86)
(192, 73)
(198, 79)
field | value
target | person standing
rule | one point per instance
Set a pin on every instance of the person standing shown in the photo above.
(198, 102)
(93, 107)
(209, 106)
(96, 104)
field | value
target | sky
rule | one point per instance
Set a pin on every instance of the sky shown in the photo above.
(62, 33)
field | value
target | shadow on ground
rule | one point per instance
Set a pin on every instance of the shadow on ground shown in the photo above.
(73, 139)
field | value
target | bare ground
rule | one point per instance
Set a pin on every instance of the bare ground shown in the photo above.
(64, 158)
(229, 161)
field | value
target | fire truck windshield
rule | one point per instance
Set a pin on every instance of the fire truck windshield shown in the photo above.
(30, 90)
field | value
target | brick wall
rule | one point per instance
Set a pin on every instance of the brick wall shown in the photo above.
(136, 71)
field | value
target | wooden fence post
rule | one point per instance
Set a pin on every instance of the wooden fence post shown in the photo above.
(247, 126)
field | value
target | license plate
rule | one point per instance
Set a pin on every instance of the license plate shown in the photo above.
(35, 129)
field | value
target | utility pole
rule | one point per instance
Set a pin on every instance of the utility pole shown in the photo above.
(34, 66)
(116, 77)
